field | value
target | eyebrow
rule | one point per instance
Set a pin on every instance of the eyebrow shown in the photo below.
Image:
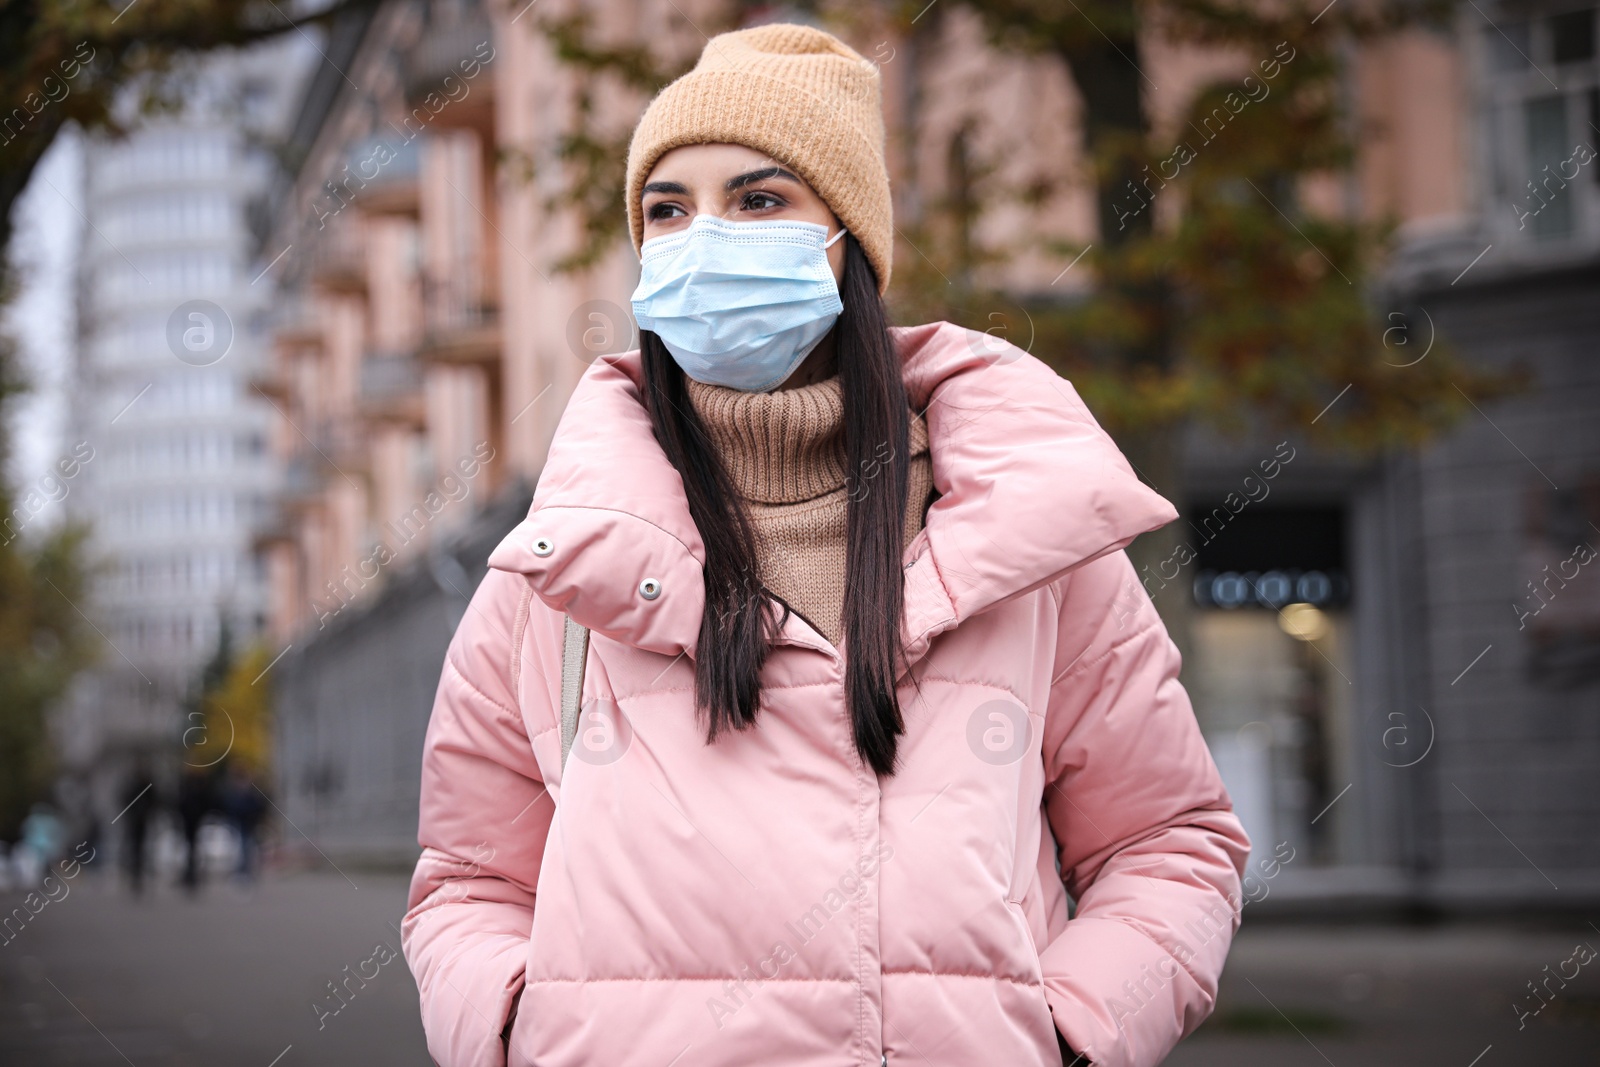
(732, 184)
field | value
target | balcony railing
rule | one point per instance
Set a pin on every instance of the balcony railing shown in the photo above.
(302, 479)
(440, 54)
(382, 175)
(276, 527)
(269, 383)
(338, 258)
(463, 334)
(294, 320)
(339, 447)
(391, 387)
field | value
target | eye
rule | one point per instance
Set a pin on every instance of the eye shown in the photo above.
(760, 200)
(661, 210)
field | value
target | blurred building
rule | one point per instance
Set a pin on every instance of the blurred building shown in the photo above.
(1392, 683)
(404, 389)
(388, 345)
(175, 470)
(1434, 747)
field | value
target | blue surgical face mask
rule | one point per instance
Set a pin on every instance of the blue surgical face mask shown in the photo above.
(739, 304)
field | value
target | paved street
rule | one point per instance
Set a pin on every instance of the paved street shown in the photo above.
(96, 978)
(1384, 996)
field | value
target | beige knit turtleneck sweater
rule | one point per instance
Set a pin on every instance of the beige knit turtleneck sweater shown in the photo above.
(784, 451)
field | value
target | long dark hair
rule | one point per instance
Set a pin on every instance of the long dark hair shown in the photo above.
(739, 623)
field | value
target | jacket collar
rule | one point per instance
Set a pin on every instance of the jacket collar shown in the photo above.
(1030, 487)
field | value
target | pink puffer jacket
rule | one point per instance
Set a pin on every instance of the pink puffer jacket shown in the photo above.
(767, 899)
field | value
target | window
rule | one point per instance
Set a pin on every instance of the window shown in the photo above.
(1510, 46)
(1558, 608)
(1543, 120)
(1572, 36)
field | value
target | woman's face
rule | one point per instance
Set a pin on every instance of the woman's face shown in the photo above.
(733, 182)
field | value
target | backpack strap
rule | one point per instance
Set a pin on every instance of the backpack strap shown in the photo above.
(574, 655)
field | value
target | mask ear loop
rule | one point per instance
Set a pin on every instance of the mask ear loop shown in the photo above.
(835, 237)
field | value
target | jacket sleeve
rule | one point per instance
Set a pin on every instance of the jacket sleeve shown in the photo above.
(1148, 843)
(484, 816)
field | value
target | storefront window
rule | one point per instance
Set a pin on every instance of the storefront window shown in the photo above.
(1271, 674)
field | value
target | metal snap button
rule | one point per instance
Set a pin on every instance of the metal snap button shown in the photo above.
(650, 588)
(543, 546)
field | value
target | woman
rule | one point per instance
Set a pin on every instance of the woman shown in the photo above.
(867, 662)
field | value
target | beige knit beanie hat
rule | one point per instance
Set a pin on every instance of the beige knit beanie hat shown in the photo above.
(796, 93)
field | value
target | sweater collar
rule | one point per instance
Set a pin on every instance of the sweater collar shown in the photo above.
(1030, 488)
(780, 447)
(785, 446)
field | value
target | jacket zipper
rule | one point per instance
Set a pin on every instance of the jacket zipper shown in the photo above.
(824, 647)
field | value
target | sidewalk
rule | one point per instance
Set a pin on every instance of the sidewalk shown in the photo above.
(100, 978)
(97, 978)
(1397, 996)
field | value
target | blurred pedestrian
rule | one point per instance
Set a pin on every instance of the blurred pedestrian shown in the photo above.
(137, 802)
(91, 837)
(196, 799)
(40, 843)
(244, 803)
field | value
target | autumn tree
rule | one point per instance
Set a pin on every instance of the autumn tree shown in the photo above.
(228, 718)
(81, 62)
(44, 641)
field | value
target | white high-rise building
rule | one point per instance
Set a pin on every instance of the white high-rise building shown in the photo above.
(175, 472)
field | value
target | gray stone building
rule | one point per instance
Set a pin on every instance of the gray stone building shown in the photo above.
(353, 703)
(1436, 748)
